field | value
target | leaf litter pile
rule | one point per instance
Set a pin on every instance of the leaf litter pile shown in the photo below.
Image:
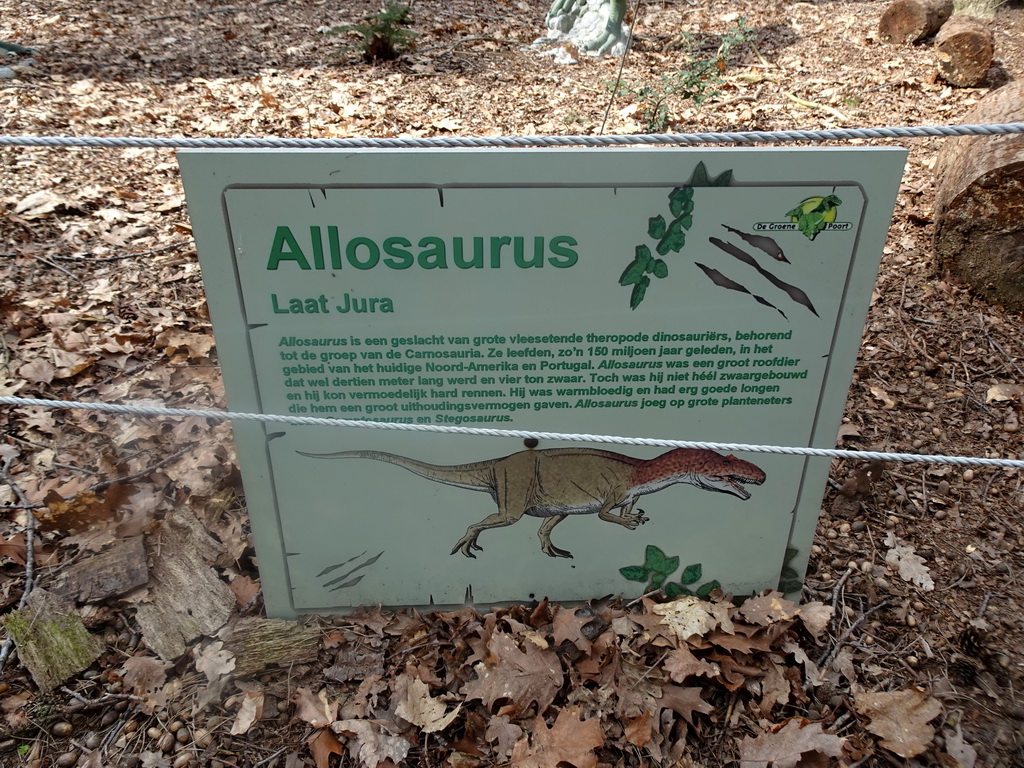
(137, 618)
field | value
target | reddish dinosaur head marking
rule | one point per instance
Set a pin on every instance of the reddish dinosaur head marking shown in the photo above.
(706, 469)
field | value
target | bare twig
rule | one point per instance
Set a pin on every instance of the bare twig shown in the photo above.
(141, 473)
(67, 272)
(101, 700)
(830, 655)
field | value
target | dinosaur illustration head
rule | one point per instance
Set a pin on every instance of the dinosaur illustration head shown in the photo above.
(708, 471)
(729, 474)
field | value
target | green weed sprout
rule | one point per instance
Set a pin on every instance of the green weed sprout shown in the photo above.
(383, 37)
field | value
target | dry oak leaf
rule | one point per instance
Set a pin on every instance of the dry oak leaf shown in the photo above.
(145, 675)
(901, 718)
(911, 566)
(504, 732)
(420, 708)
(684, 701)
(322, 745)
(681, 664)
(521, 677)
(569, 741)
(314, 709)
(767, 609)
(249, 712)
(816, 616)
(567, 624)
(788, 747)
(689, 615)
(371, 743)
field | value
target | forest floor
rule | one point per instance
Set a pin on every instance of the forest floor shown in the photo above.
(101, 299)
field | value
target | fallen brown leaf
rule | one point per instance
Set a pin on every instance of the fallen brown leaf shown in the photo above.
(901, 718)
(570, 741)
(786, 747)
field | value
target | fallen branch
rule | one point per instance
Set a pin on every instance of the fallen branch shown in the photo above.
(815, 105)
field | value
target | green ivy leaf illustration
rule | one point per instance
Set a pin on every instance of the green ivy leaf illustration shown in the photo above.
(657, 579)
(707, 589)
(724, 179)
(634, 572)
(656, 227)
(679, 199)
(686, 221)
(639, 290)
(632, 273)
(692, 574)
(655, 560)
(675, 590)
(659, 268)
(674, 239)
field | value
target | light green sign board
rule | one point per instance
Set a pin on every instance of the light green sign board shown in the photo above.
(688, 294)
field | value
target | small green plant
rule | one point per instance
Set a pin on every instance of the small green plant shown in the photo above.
(658, 567)
(383, 37)
(697, 80)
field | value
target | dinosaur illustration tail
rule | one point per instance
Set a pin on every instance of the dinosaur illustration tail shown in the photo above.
(477, 477)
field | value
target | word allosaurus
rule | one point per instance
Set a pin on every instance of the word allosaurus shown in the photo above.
(557, 482)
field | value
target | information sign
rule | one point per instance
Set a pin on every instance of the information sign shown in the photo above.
(689, 294)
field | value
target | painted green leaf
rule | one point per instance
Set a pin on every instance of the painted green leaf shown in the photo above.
(679, 199)
(657, 579)
(675, 590)
(656, 227)
(724, 179)
(700, 176)
(686, 221)
(707, 589)
(692, 574)
(659, 268)
(643, 255)
(634, 573)
(632, 274)
(639, 290)
(655, 560)
(674, 239)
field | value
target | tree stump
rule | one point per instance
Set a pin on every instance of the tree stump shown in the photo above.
(909, 21)
(964, 48)
(979, 202)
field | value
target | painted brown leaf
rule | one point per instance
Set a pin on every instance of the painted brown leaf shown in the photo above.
(786, 747)
(900, 718)
(570, 741)
(521, 677)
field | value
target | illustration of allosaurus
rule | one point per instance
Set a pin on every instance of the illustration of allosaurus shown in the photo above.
(557, 482)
